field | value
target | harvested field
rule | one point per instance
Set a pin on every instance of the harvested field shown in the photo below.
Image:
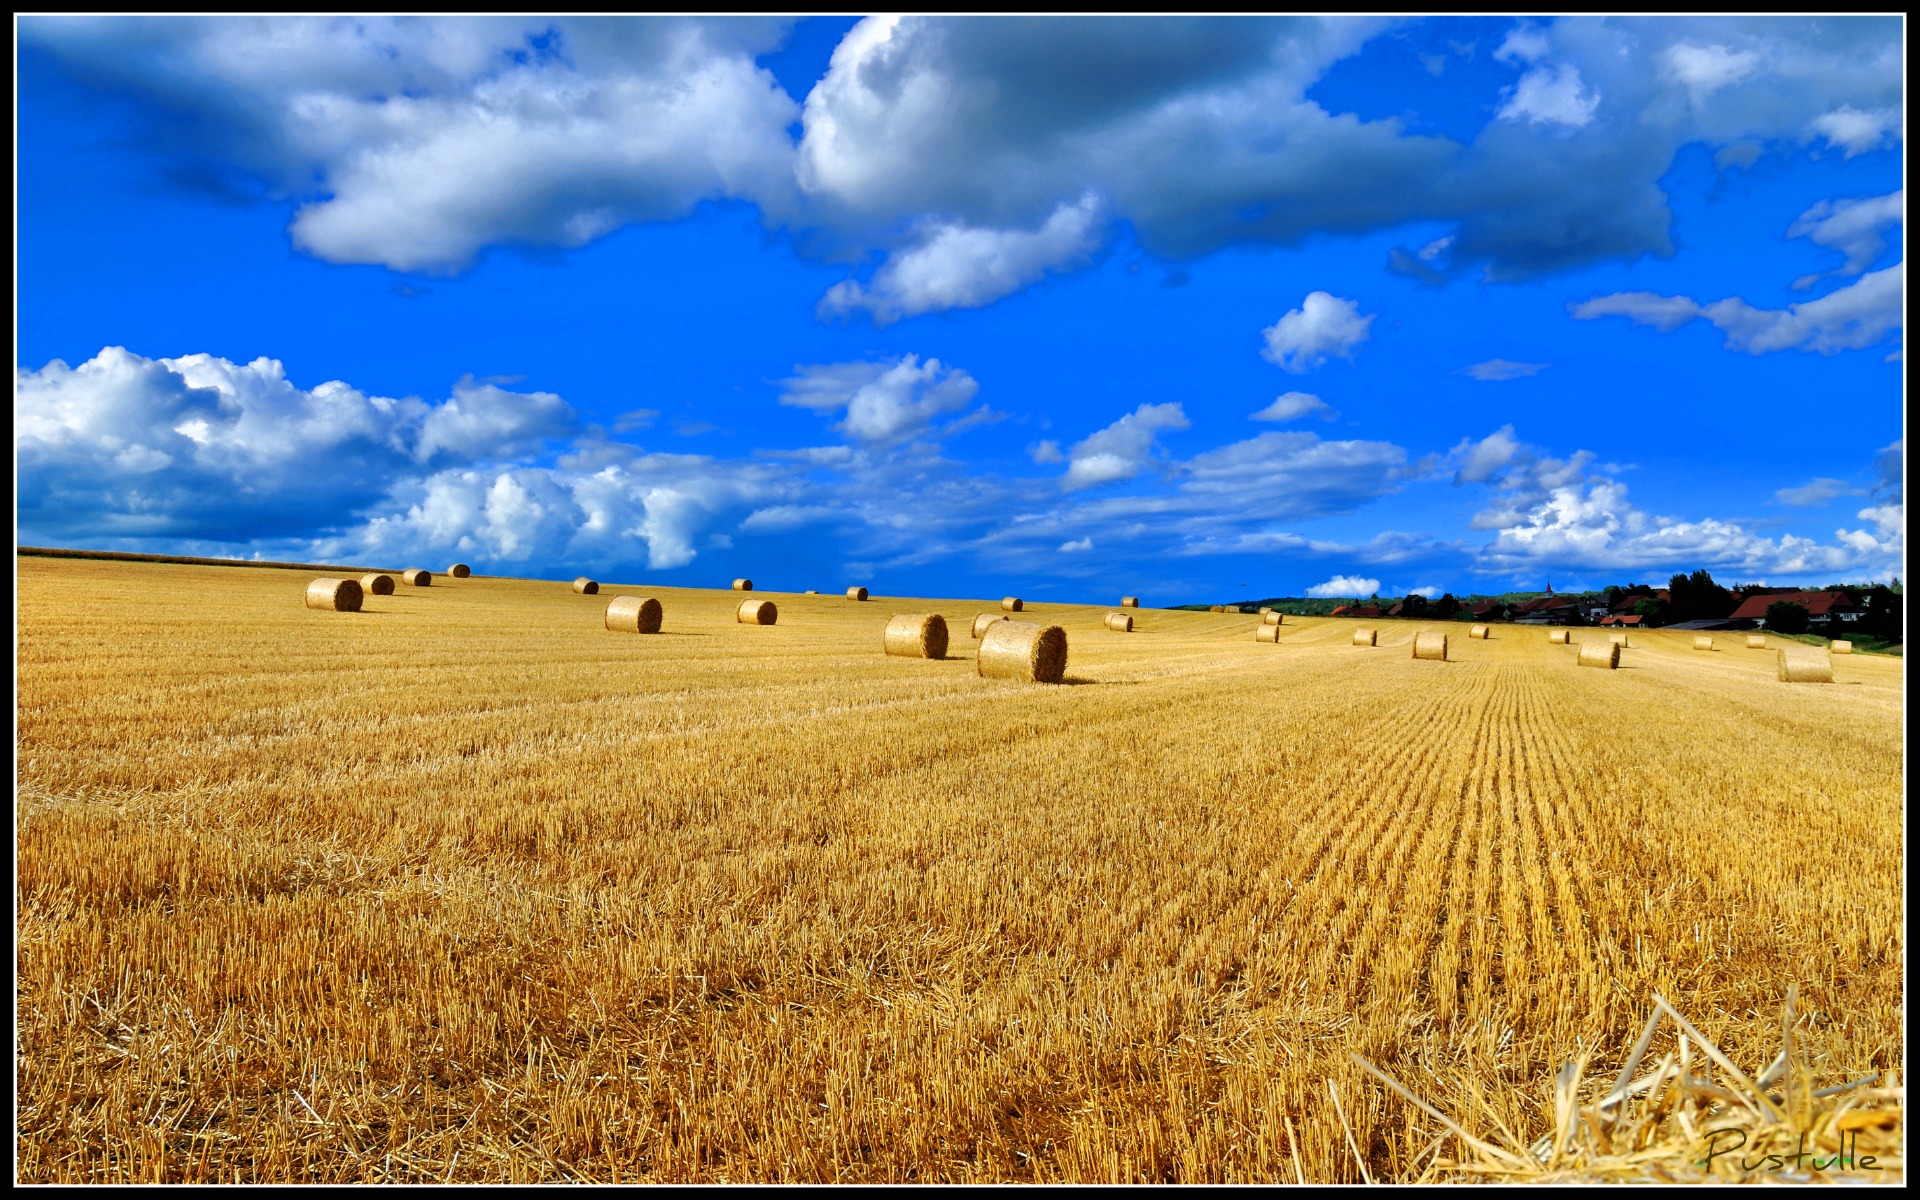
(463, 888)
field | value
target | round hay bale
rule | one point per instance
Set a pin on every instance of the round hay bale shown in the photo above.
(1840, 646)
(1119, 622)
(1263, 611)
(1270, 617)
(1366, 637)
(811, 592)
(377, 584)
(1756, 641)
(860, 593)
(1213, 608)
(756, 612)
(1600, 654)
(1012, 604)
(334, 595)
(981, 622)
(1129, 602)
(1479, 631)
(743, 585)
(1023, 650)
(916, 635)
(1430, 646)
(459, 570)
(1267, 633)
(634, 614)
(1805, 664)
(1618, 639)
(1703, 643)
(417, 577)
(1558, 637)
(586, 587)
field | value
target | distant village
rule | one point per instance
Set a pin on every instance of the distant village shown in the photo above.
(1692, 601)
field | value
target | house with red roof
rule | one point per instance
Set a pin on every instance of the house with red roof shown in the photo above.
(1823, 608)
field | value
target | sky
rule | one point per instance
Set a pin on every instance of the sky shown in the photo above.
(1189, 308)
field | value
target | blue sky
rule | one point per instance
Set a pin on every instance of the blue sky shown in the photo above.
(966, 307)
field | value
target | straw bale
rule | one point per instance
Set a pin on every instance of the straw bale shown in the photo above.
(377, 584)
(1805, 664)
(1023, 650)
(459, 570)
(1756, 641)
(417, 577)
(756, 612)
(1012, 604)
(1840, 646)
(1559, 637)
(334, 595)
(1618, 639)
(856, 593)
(633, 614)
(1129, 602)
(1119, 622)
(743, 585)
(916, 635)
(1267, 633)
(586, 587)
(1430, 646)
(1263, 611)
(1479, 631)
(1703, 643)
(981, 622)
(1600, 654)
(1271, 617)
(1366, 637)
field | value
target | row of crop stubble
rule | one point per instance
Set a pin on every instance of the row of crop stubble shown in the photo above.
(454, 891)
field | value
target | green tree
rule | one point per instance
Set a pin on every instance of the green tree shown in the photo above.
(1446, 606)
(1652, 611)
(1885, 608)
(1416, 606)
(1784, 616)
(1697, 597)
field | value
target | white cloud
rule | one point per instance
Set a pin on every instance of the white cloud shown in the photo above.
(1853, 227)
(1499, 369)
(961, 266)
(1293, 405)
(1706, 69)
(1552, 512)
(1665, 313)
(1324, 325)
(1429, 592)
(1854, 317)
(1817, 492)
(886, 402)
(1122, 449)
(1078, 546)
(1856, 131)
(1481, 460)
(1526, 42)
(1551, 95)
(783, 518)
(1046, 452)
(1345, 587)
(482, 420)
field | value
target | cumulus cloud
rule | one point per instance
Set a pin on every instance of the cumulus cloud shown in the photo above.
(1122, 449)
(129, 449)
(1324, 325)
(1549, 512)
(1856, 131)
(1480, 460)
(886, 402)
(1046, 452)
(961, 151)
(1499, 369)
(961, 266)
(1345, 587)
(1854, 317)
(1077, 546)
(1551, 95)
(1293, 405)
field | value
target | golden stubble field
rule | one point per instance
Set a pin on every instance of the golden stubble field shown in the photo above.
(463, 887)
